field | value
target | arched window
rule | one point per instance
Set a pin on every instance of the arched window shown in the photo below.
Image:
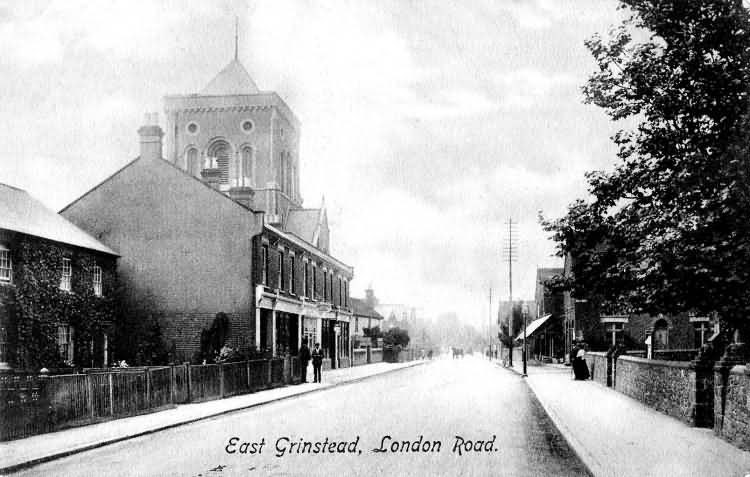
(221, 151)
(246, 171)
(192, 164)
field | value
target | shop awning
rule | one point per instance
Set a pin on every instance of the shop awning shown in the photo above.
(533, 326)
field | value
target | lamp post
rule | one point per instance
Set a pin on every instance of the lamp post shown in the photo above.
(525, 316)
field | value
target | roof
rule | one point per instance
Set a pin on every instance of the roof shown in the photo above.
(303, 223)
(361, 308)
(533, 326)
(22, 213)
(309, 247)
(232, 80)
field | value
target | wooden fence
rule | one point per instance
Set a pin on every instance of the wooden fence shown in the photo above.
(35, 404)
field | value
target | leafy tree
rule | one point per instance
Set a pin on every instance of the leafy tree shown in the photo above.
(214, 338)
(668, 230)
(396, 336)
(504, 336)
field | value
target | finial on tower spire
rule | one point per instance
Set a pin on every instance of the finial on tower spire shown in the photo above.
(236, 36)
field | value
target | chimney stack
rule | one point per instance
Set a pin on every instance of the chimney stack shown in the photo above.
(150, 134)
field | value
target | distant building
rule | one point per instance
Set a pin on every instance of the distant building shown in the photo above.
(56, 288)
(364, 318)
(218, 225)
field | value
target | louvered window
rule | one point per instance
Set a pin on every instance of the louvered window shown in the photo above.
(221, 152)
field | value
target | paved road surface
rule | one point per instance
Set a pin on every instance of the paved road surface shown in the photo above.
(470, 398)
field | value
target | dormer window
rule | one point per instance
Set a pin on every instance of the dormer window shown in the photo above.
(6, 265)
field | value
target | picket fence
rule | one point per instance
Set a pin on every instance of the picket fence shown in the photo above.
(33, 404)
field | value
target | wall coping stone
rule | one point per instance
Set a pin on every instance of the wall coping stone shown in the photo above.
(657, 362)
(597, 353)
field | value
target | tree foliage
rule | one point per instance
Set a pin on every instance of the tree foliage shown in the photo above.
(396, 336)
(668, 230)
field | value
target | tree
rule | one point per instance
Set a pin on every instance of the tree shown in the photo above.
(504, 335)
(396, 336)
(668, 230)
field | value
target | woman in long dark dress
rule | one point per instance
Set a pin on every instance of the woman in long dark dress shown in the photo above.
(580, 368)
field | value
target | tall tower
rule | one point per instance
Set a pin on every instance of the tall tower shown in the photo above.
(246, 138)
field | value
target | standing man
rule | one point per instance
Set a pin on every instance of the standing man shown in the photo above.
(317, 359)
(304, 359)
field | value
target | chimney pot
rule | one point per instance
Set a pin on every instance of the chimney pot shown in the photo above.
(150, 137)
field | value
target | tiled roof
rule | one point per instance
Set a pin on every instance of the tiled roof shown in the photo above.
(361, 308)
(22, 213)
(233, 79)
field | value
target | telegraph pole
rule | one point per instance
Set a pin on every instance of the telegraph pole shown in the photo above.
(511, 254)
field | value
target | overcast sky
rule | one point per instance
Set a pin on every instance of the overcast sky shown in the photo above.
(426, 124)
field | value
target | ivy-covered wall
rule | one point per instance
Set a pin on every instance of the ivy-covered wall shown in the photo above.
(35, 304)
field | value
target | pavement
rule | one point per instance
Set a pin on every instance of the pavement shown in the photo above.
(463, 417)
(617, 436)
(23, 453)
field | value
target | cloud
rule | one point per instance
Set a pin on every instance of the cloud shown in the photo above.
(34, 34)
(524, 88)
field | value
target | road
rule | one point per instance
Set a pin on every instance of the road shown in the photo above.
(459, 417)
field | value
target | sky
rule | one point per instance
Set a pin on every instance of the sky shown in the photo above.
(425, 124)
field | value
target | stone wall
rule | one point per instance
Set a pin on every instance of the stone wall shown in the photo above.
(597, 363)
(732, 405)
(667, 386)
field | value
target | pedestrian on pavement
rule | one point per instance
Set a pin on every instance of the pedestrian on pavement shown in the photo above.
(304, 359)
(580, 368)
(317, 360)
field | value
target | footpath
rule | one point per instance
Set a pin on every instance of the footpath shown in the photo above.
(22, 453)
(617, 436)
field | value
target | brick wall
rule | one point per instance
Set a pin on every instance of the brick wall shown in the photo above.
(597, 363)
(732, 405)
(667, 386)
(184, 330)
